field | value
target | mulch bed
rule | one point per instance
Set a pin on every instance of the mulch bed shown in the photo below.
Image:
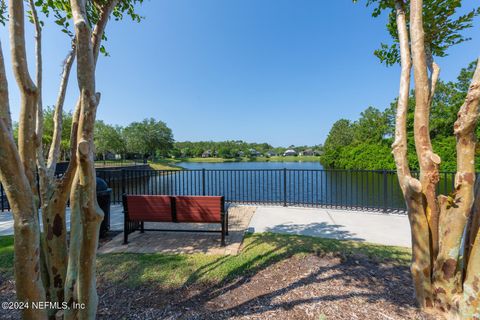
(302, 287)
(310, 287)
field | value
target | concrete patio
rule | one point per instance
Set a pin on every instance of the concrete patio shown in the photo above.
(379, 228)
(385, 229)
(182, 242)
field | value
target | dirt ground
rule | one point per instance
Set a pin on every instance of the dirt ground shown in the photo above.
(302, 287)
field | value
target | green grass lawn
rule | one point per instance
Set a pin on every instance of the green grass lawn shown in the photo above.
(6, 255)
(164, 164)
(289, 159)
(259, 251)
(212, 159)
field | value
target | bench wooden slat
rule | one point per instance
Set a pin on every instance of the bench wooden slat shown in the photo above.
(198, 209)
(149, 208)
(156, 208)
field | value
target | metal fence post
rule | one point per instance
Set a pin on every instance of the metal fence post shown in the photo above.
(122, 182)
(203, 182)
(284, 187)
(2, 205)
(385, 184)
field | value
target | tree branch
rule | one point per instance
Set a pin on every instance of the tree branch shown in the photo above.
(84, 198)
(5, 115)
(411, 188)
(434, 74)
(28, 91)
(99, 29)
(455, 218)
(54, 152)
(428, 160)
(465, 131)
(400, 144)
(96, 39)
(67, 179)
(473, 224)
(40, 157)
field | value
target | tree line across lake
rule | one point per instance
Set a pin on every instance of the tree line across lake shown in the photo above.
(366, 143)
(153, 139)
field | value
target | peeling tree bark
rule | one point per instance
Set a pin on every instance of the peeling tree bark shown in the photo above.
(54, 151)
(54, 201)
(427, 159)
(457, 208)
(464, 199)
(410, 186)
(86, 214)
(44, 268)
(17, 188)
(28, 92)
(18, 169)
(446, 276)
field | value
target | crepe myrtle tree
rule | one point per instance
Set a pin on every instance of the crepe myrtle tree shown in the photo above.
(46, 267)
(445, 228)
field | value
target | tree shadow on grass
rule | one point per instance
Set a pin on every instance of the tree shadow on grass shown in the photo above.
(377, 280)
(202, 283)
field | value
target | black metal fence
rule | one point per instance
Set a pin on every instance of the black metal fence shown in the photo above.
(343, 189)
(348, 189)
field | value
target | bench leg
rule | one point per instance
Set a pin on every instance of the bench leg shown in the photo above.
(142, 229)
(125, 236)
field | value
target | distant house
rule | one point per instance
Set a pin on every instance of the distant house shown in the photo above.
(271, 154)
(241, 153)
(290, 152)
(254, 153)
(308, 152)
(207, 154)
(109, 156)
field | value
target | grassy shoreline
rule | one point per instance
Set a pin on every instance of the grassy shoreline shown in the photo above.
(259, 159)
(171, 164)
(164, 165)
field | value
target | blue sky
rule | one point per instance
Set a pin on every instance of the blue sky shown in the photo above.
(276, 71)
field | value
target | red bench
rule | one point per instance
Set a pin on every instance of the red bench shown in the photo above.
(139, 209)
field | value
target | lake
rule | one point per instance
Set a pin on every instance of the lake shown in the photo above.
(276, 183)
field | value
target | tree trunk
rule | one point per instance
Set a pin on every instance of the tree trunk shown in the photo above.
(410, 186)
(88, 214)
(445, 276)
(18, 170)
(427, 159)
(45, 258)
(28, 282)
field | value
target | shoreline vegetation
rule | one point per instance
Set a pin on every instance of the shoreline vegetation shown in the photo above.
(366, 143)
(172, 164)
(257, 159)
